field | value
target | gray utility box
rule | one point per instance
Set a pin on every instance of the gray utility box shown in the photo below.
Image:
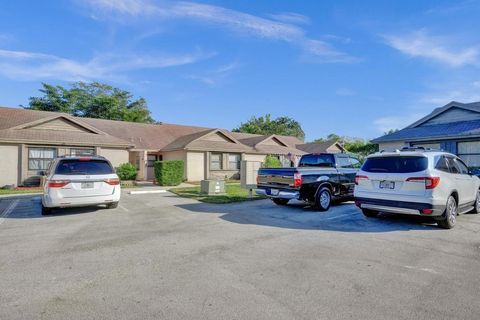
(212, 187)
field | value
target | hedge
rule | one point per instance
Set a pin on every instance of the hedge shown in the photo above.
(169, 173)
(127, 171)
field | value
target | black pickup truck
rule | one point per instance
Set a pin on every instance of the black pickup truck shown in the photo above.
(318, 179)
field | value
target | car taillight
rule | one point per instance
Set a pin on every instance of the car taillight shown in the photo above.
(84, 158)
(57, 183)
(358, 178)
(112, 182)
(430, 182)
(297, 179)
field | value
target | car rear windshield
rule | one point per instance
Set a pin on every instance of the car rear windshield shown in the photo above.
(395, 164)
(80, 167)
(317, 160)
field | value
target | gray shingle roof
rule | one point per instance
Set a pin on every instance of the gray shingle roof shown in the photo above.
(438, 131)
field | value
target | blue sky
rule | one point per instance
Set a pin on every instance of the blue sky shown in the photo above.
(355, 68)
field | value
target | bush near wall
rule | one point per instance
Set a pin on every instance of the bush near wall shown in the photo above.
(271, 162)
(127, 171)
(169, 172)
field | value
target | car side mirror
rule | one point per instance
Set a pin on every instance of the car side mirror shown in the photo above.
(470, 172)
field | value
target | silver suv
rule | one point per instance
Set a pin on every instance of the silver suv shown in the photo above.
(417, 181)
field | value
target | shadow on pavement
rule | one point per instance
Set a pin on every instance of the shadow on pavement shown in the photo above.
(343, 217)
(31, 208)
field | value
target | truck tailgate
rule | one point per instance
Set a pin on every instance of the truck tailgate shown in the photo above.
(276, 177)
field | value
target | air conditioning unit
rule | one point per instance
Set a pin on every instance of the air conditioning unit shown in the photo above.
(212, 187)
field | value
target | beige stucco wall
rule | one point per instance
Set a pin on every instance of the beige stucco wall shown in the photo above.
(115, 156)
(254, 157)
(334, 149)
(391, 146)
(9, 165)
(195, 166)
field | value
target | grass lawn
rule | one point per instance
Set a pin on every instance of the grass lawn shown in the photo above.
(234, 193)
(20, 191)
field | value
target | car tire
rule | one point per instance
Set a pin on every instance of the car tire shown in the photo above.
(112, 205)
(280, 201)
(370, 213)
(476, 208)
(46, 211)
(323, 199)
(449, 218)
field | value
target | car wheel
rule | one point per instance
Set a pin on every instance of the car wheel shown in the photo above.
(323, 199)
(476, 208)
(280, 201)
(449, 218)
(369, 213)
(46, 211)
(112, 205)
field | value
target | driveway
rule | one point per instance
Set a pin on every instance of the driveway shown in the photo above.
(158, 256)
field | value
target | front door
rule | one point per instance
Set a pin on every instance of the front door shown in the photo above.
(151, 158)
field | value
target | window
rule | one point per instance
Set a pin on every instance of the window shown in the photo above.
(40, 158)
(463, 168)
(442, 164)
(343, 162)
(355, 163)
(453, 165)
(395, 164)
(233, 162)
(82, 167)
(82, 152)
(317, 160)
(216, 161)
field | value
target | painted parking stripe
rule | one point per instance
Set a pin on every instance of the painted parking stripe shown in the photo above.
(147, 191)
(7, 211)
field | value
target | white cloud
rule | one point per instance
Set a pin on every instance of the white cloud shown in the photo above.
(291, 17)
(421, 44)
(22, 65)
(234, 20)
(214, 77)
(345, 92)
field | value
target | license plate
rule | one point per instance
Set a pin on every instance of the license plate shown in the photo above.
(87, 185)
(387, 184)
(274, 192)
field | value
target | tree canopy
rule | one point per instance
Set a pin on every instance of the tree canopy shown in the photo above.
(358, 146)
(92, 100)
(266, 125)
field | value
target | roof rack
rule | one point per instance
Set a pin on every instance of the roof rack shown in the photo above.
(419, 148)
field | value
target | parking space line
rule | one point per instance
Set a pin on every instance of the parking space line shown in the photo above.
(123, 208)
(7, 211)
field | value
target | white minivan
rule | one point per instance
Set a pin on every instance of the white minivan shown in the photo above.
(80, 181)
(417, 181)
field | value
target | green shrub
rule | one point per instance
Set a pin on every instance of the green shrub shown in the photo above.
(169, 173)
(271, 162)
(127, 171)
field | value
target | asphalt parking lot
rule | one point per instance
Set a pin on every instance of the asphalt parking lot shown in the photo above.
(158, 256)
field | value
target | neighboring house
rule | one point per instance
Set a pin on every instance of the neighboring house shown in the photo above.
(29, 140)
(454, 127)
(331, 146)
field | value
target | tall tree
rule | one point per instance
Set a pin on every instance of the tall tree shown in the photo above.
(266, 125)
(92, 100)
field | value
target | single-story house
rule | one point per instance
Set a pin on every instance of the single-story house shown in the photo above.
(29, 140)
(454, 128)
(331, 146)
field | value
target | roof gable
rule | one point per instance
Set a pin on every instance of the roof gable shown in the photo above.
(59, 123)
(271, 140)
(453, 114)
(218, 136)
